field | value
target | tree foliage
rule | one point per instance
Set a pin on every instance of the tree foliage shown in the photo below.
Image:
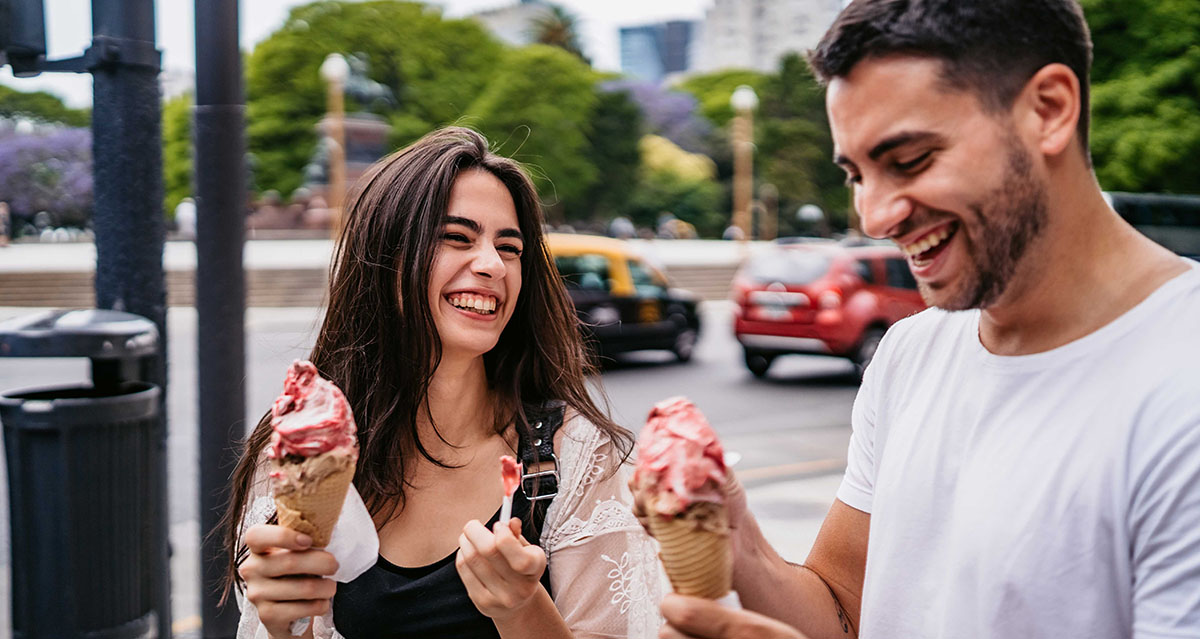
(538, 110)
(48, 171)
(713, 90)
(794, 143)
(435, 68)
(613, 135)
(177, 150)
(677, 182)
(559, 27)
(41, 107)
(1145, 94)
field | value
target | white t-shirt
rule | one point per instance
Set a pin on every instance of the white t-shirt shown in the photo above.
(1054, 495)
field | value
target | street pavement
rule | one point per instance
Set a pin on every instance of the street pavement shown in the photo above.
(789, 430)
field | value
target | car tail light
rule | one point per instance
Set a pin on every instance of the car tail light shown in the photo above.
(831, 298)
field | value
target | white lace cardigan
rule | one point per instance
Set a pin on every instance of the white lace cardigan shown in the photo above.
(604, 570)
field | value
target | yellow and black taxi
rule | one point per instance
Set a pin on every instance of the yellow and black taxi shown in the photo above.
(623, 302)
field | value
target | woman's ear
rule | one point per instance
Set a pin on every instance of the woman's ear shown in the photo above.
(1050, 106)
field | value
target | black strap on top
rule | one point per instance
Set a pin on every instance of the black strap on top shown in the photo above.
(540, 478)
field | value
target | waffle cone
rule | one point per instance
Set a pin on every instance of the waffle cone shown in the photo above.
(694, 549)
(314, 509)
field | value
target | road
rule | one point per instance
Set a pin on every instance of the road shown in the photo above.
(790, 429)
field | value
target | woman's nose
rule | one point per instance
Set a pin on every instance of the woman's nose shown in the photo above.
(488, 262)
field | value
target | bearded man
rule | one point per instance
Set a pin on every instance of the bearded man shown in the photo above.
(1025, 459)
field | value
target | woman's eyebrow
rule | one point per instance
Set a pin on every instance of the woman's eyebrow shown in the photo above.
(472, 225)
(511, 232)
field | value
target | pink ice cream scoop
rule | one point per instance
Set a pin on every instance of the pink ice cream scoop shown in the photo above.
(311, 417)
(680, 460)
(510, 475)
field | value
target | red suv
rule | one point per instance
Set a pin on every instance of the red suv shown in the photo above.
(820, 298)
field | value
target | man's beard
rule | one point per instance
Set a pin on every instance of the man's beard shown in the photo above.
(1006, 222)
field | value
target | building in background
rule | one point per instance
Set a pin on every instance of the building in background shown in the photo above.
(653, 52)
(755, 34)
(513, 24)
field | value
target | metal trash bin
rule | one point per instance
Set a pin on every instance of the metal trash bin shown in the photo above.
(83, 473)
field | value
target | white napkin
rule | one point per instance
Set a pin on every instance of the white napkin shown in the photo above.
(354, 544)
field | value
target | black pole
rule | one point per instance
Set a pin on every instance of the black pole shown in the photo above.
(128, 207)
(220, 287)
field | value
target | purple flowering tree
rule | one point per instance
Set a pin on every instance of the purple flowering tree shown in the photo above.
(49, 170)
(672, 114)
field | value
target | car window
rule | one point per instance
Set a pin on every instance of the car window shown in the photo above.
(788, 266)
(898, 275)
(589, 271)
(863, 268)
(647, 283)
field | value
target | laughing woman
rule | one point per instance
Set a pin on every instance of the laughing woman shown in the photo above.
(451, 335)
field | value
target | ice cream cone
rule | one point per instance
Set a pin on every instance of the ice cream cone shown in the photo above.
(313, 507)
(694, 549)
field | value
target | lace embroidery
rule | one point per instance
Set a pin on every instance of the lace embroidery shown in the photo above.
(608, 516)
(596, 471)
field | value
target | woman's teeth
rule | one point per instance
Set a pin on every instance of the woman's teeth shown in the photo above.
(484, 305)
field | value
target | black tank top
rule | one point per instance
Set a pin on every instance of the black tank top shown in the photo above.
(396, 602)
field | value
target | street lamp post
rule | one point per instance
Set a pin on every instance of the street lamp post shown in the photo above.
(336, 71)
(743, 101)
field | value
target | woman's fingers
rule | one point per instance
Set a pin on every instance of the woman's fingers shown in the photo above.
(520, 556)
(291, 589)
(276, 562)
(479, 553)
(263, 537)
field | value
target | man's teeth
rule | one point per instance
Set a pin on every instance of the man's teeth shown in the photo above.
(484, 305)
(927, 242)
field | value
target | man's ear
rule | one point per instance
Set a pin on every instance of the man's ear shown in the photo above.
(1051, 105)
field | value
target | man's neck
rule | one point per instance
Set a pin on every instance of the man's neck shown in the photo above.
(1086, 270)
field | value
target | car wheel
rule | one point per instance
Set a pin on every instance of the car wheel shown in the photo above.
(866, 349)
(758, 363)
(685, 345)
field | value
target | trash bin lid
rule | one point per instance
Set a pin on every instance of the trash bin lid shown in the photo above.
(94, 333)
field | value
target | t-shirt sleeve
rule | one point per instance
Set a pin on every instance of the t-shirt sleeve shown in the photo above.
(858, 484)
(1164, 522)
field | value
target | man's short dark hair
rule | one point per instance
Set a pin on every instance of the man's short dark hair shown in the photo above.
(991, 47)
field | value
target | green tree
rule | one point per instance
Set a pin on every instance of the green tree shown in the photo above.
(713, 91)
(558, 27)
(1145, 94)
(613, 135)
(538, 110)
(41, 106)
(435, 68)
(795, 146)
(177, 150)
(675, 181)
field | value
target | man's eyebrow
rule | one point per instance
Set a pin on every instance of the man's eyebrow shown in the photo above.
(898, 140)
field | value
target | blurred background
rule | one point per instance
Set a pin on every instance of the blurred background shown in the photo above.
(690, 132)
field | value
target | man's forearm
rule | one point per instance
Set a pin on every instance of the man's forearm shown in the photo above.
(790, 593)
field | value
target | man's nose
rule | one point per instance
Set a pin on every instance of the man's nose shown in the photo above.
(881, 209)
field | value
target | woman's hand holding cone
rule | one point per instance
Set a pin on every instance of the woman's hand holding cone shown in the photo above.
(499, 567)
(286, 579)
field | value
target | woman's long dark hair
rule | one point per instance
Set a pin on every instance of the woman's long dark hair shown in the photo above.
(380, 345)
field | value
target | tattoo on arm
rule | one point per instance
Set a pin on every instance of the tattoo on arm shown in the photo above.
(843, 618)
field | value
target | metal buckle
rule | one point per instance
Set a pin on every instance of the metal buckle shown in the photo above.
(531, 480)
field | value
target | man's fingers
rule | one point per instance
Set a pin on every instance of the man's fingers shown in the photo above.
(263, 537)
(701, 618)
